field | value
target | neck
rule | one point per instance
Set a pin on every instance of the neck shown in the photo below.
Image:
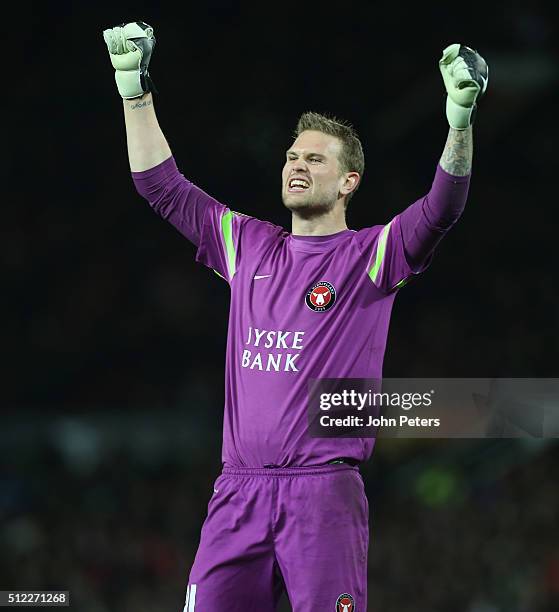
(331, 222)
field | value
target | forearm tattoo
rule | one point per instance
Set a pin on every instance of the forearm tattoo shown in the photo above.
(140, 104)
(458, 152)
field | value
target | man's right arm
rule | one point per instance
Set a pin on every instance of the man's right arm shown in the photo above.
(207, 223)
(210, 225)
(147, 146)
(130, 48)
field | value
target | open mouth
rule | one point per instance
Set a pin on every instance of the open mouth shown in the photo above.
(297, 185)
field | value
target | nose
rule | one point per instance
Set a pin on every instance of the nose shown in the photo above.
(299, 164)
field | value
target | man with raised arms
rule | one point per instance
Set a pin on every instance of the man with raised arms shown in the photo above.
(289, 510)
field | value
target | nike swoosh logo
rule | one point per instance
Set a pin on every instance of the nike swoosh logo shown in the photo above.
(216, 490)
(259, 276)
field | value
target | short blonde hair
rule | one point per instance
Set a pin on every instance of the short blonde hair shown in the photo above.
(351, 156)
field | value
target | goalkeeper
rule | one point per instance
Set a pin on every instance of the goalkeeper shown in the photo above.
(289, 510)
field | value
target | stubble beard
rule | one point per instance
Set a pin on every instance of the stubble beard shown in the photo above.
(312, 206)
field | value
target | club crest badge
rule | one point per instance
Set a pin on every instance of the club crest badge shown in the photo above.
(321, 297)
(345, 603)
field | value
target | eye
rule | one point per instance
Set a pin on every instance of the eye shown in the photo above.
(315, 159)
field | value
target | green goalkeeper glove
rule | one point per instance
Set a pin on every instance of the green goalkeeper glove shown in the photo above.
(465, 76)
(130, 47)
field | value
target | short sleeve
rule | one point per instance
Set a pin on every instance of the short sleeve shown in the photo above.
(386, 263)
(229, 239)
(220, 234)
(403, 248)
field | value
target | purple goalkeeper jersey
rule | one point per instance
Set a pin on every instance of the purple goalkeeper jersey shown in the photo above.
(302, 307)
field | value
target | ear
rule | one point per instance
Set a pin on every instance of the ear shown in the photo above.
(350, 183)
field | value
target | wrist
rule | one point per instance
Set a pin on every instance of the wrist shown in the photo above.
(459, 117)
(145, 97)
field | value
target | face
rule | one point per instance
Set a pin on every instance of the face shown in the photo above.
(312, 180)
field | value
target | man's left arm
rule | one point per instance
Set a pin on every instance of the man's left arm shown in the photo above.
(424, 223)
(458, 152)
(405, 246)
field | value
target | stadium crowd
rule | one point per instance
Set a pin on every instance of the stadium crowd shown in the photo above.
(120, 534)
(106, 313)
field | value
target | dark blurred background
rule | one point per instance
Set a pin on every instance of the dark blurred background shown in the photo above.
(114, 339)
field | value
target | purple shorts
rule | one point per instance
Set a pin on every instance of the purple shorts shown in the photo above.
(305, 530)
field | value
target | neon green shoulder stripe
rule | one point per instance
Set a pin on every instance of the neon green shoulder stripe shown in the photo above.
(227, 231)
(381, 248)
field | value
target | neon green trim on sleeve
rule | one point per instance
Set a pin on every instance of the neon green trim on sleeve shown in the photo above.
(227, 230)
(220, 276)
(381, 248)
(401, 283)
